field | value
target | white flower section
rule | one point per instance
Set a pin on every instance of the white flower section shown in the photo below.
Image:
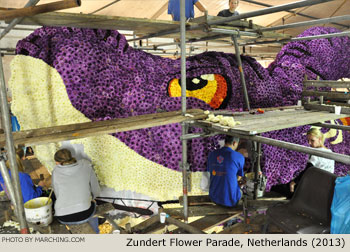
(195, 81)
(40, 100)
(208, 77)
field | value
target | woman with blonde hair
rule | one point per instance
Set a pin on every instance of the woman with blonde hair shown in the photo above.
(29, 190)
(75, 186)
(315, 139)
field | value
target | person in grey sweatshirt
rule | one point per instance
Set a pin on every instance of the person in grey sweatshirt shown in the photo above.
(75, 185)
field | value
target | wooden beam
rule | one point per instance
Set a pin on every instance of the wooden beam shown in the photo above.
(184, 226)
(330, 84)
(84, 228)
(140, 26)
(272, 120)
(82, 130)
(345, 111)
(207, 222)
(204, 210)
(34, 10)
(139, 228)
(336, 95)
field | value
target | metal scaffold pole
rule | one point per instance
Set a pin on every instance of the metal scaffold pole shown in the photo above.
(269, 10)
(183, 107)
(306, 23)
(11, 153)
(257, 170)
(241, 73)
(15, 21)
(293, 12)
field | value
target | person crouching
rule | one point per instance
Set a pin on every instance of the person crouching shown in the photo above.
(75, 186)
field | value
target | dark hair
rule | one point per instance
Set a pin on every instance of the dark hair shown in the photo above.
(231, 139)
(20, 151)
(64, 157)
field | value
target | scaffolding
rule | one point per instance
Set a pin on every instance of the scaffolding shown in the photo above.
(207, 31)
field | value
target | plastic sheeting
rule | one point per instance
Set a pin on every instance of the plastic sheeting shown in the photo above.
(341, 206)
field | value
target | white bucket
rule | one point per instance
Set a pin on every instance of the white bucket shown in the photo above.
(37, 212)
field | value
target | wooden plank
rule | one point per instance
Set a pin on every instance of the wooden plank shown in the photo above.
(37, 9)
(345, 111)
(242, 24)
(334, 94)
(139, 228)
(187, 227)
(274, 120)
(195, 200)
(81, 130)
(331, 84)
(141, 26)
(293, 121)
(206, 222)
(84, 228)
(338, 104)
(204, 210)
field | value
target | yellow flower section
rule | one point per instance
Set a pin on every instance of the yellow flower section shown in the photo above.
(40, 100)
(205, 94)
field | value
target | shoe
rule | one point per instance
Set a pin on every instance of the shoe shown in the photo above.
(101, 220)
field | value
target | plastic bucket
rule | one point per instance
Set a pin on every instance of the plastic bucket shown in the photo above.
(37, 212)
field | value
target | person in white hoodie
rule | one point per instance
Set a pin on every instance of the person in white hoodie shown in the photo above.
(75, 186)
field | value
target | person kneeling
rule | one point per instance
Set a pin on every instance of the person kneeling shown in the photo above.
(225, 166)
(75, 185)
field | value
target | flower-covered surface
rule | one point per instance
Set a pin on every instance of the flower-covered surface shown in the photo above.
(116, 165)
(105, 78)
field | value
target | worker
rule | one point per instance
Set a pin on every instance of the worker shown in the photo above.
(174, 8)
(29, 190)
(75, 185)
(225, 167)
(231, 11)
(315, 139)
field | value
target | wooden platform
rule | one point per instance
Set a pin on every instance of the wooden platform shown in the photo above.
(81, 130)
(273, 120)
(211, 216)
(140, 26)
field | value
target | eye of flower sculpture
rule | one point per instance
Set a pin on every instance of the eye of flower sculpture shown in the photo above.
(213, 89)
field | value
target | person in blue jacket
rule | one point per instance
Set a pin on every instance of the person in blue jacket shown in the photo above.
(225, 166)
(29, 190)
(174, 8)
